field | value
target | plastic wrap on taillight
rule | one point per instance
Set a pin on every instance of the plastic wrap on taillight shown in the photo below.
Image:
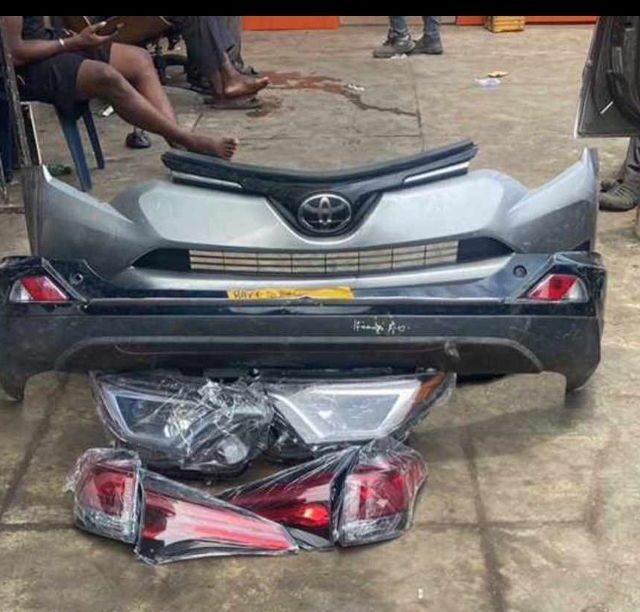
(380, 492)
(105, 485)
(168, 521)
(180, 522)
(304, 498)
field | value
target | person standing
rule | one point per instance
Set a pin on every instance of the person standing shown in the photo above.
(399, 40)
(623, 192)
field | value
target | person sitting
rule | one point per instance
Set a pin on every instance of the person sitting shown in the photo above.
(209, 66)
(62, 69)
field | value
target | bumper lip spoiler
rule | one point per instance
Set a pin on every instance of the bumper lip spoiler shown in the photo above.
(98, 303)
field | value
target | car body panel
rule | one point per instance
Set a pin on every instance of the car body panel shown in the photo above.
(439, 263)
(610, 97)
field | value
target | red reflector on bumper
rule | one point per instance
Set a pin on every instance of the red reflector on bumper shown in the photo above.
(40, 289)
(559, 288)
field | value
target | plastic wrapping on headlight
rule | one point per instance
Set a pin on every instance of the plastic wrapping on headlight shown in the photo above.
(178, 423)
(316, 416)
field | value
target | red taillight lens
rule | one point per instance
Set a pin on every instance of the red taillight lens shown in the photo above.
(178, 522)
(37, 289)
(379, 495)
(168, 521)
(559, 288)
(107, 489)
(105, 483)
(302, 498)
(299, 502)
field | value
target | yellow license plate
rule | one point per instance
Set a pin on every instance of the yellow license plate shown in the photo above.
(325, 293)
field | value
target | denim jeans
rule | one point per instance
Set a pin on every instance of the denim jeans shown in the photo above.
(630, 171)
(398, 26)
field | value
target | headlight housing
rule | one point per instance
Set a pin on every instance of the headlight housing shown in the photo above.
(179, 423)
(314, 416)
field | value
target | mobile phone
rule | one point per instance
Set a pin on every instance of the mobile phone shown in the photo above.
(111, 26)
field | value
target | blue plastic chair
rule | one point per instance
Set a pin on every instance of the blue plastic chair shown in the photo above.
(71, 131)
(69, 125)
(6, 144)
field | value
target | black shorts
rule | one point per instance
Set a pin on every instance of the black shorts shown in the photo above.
(53, 80)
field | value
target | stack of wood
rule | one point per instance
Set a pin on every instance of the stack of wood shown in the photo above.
(504, 24)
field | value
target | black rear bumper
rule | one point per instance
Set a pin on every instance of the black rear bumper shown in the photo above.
(470, 336)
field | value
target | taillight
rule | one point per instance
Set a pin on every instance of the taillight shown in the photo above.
(360, 495)
(180, 522)
(37, 289)
(105, 484)
(379, 493)
(168, 521)
(559, 288)
(303, 498)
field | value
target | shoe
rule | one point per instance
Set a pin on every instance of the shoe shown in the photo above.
(620, 198)
(395, 45)
(430, 46)
(607, 184)
(137, 140)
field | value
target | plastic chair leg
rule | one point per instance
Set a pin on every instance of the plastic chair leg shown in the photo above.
(74, 142)
(94, 139)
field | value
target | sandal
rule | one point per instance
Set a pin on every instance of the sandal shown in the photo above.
(240, 103)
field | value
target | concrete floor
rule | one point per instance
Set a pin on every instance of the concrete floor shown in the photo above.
(533, 501)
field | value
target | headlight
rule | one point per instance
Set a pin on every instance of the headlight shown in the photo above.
(182, 423)
(315, 414)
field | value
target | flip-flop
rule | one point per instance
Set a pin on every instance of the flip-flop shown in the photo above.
(234, 103)
(200, 87)
(248, 70)
(137, 140)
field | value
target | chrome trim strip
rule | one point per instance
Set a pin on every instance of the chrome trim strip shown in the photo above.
(414, 178)
(203, 180)
(155, 279)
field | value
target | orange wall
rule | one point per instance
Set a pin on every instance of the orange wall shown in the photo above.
(325, 22)
(282, 22)
(468, 20)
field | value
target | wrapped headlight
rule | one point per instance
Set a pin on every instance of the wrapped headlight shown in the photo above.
(313, 416)
(179, 423)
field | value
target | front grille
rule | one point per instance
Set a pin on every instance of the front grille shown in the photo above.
(324, 263)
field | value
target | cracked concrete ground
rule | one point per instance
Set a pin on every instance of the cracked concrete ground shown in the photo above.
(534, 499)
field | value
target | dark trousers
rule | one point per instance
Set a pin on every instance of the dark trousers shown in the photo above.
(207, 40)
(234, 26)
(630, 171)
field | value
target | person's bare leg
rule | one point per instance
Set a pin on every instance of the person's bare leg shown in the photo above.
(238, 84)
(99, 80)
(135, 65)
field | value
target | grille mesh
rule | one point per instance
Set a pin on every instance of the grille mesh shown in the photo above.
(324, 263)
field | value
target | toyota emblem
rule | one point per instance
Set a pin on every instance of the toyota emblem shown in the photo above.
(324, 213)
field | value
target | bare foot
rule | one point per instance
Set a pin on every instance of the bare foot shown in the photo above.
(218, 147)
(242, 85)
